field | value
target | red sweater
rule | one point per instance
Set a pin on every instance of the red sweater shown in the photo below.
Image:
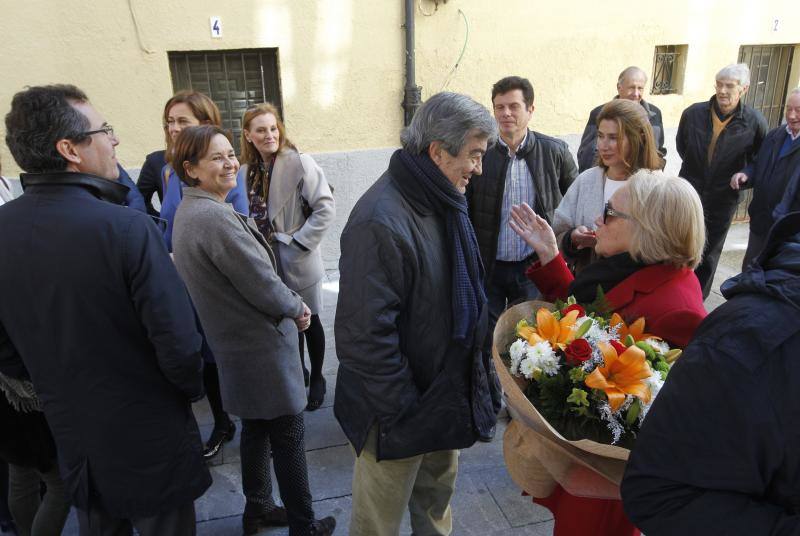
(669, 298)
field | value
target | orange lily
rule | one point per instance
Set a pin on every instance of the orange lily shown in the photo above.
(635, 330)
(621, 375)
(529, 334)
(558, 333)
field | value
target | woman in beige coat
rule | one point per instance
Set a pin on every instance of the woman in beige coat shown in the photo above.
(292, 204)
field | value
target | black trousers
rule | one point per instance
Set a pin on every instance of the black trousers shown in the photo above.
(718, 221)
(178, 522)
(285, 437)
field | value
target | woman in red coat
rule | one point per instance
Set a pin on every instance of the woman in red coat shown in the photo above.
(650, 238)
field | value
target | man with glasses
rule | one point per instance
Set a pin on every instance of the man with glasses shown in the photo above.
(95, 314)
(716, 139)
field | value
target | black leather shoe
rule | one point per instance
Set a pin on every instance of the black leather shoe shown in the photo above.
(218, 438)
(322, 527)
(316, 394)
(253, 522)
(489, 436)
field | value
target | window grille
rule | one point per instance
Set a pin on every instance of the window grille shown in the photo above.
(667, 69)
(234, 79)
(770, 67)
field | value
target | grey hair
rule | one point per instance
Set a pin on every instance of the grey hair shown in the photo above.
(448, 118)
(735, 71)
(629, 72)
(795, 91)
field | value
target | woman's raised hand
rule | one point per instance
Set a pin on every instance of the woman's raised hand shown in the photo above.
(535, 231)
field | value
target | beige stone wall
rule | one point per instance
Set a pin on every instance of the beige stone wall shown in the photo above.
(573, 50)
(341, 61)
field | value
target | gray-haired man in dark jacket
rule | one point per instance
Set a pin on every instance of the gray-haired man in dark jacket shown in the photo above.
(413, 385)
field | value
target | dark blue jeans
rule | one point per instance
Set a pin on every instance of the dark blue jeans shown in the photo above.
(508, 286)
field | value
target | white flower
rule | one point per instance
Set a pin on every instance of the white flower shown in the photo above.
(659, 346)
(612, 421)
(596, 333)
(517, 352)
(544, 358)
(527, 367)
(655, 383)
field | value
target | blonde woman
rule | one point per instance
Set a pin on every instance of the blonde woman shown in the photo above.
(650, 238)
(292, 204)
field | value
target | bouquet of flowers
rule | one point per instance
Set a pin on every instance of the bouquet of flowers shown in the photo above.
(592, 377)
(579, 383)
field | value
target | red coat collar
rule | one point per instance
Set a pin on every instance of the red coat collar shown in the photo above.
(642, 281)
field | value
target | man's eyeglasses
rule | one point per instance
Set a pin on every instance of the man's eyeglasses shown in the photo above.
(108, 129)
(609, 211)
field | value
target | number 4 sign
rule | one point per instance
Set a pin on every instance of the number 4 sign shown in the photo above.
(216, 28)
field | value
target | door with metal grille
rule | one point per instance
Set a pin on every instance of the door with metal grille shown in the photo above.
(770, 66)
(234, 79)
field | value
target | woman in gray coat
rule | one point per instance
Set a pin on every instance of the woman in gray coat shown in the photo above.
(251, 320)
(292, 204)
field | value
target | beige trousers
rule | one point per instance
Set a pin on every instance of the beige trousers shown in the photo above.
(381, 491)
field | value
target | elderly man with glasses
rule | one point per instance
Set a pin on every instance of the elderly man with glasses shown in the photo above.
(717, 138)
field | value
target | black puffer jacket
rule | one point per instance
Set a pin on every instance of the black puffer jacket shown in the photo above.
(718, 452)
(553, 170)
(736, 147)
(398, 367)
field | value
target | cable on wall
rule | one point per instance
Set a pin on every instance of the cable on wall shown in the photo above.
(449, 77)
(138, 32)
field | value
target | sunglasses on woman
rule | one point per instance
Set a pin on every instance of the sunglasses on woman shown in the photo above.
(610, 211)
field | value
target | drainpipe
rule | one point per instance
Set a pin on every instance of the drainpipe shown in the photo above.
(412, 93)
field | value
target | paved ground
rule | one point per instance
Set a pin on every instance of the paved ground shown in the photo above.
(486, 500)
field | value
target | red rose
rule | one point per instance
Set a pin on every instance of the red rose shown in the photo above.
(574, 307)
(619, 347)
(577, 352)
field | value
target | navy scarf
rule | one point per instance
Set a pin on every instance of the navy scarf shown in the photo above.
(468, 294)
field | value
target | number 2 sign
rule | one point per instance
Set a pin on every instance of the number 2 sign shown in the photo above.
(216, 28)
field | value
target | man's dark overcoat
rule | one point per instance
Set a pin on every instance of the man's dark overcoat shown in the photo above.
(104, 327)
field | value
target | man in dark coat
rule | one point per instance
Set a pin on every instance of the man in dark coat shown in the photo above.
(413, 384)
(524, 166)
(98, 315)
(773, 177)
(630, 85)
(716, 139)
(718, 453)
